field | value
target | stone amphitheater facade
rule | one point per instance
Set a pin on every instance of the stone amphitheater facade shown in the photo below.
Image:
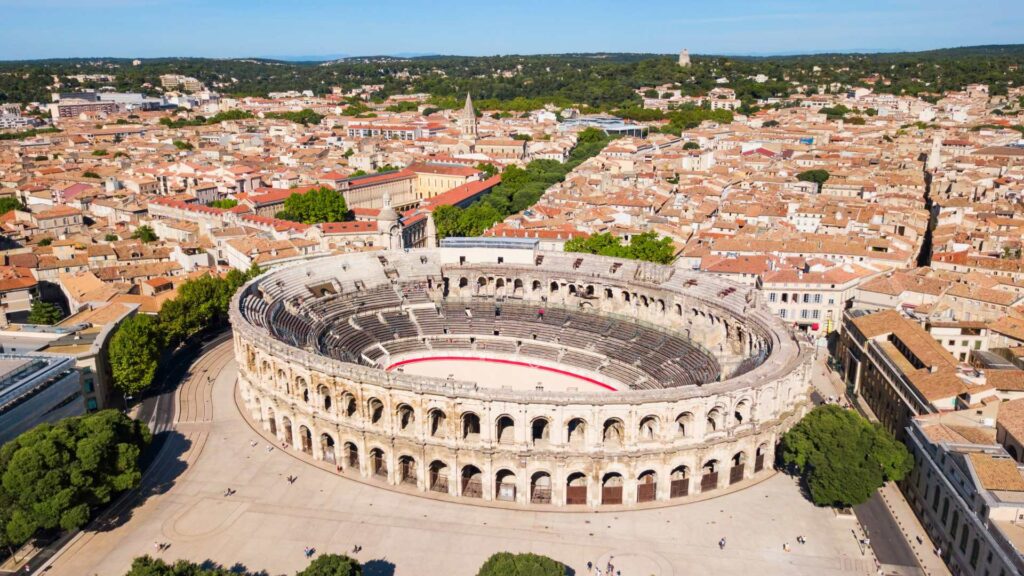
(706, 378)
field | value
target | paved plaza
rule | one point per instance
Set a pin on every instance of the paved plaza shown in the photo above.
(268, 522)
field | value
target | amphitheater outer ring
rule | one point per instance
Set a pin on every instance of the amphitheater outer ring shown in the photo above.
(284, 390)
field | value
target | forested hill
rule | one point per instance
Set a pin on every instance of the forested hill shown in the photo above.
(604, 81)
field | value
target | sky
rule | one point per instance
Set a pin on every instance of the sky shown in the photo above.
(33, 29)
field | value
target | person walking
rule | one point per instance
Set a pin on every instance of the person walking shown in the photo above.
(721, 544)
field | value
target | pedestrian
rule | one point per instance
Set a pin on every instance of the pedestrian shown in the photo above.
(721, 544)
(156, 545)
(590, 566)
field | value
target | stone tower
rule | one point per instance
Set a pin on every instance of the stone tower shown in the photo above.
(935, 156)
(684, 58)
(389, 230)
(468, 119)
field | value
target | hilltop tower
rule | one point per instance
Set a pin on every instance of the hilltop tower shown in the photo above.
(684, 58)
(468, 119)
(935, 157)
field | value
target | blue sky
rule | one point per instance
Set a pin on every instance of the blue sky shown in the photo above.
(234, 28)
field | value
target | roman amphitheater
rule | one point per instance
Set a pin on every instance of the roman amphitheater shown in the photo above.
(494, 372)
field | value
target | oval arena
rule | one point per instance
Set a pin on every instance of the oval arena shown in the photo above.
(496, 372)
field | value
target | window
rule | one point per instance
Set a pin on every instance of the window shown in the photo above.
(945, 509)
(974, 553)
(815, 314)
(803, 314)
(817, 298)
(771, 297)
(964, 533)
(782, 313)
(807, 298)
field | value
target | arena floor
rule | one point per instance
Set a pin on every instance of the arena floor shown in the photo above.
(501, 373)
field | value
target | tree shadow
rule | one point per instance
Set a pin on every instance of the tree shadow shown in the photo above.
(162, 464)
(379, 567)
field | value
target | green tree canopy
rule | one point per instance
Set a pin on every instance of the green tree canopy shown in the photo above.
(315, 207)
(646, 246)
(44, 313)
(134, 353)
(843, 457)
(819, 177)
(145, 233)
(8, 203)
(225, 203)
(333, 565)
(304, 116)
(57, 475)
(508, 564)
(691, 145)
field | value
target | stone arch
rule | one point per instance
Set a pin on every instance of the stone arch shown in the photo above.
(649, 427)
(505, 429)
(306, 439)
(647, 486)
(378, 463)
(761, 454)
(679, 482)
(535, 287)
(517, 287)
(540, 431)
(327, 448)
(553, 287)
(576, 432)
(286, 425)
(611, 488)
(351, 455)
(348, 405)
(407, 470)
(540, 488)
(739, 462)
(471, 481)
(613, 432)
(463, 282)
(436, 422)
(438, 477)
(325, 397)
(575, 489)
(679, 309)
(709, 476)
(505, 485)
(470, 427)
(406, 417)
(684, 424)
(741, 413)
(714, 420)
(375, 411)
(272, 422)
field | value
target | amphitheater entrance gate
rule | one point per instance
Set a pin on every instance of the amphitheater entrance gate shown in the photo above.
(472, 485)
(680, 482)
(505, 486)
(611, 489)
(407, 470)
(287, 430)
(540, 488)
(759, 458)
(739, 461)
(307, 439)
(273, 422)
(439, 477)
(327, 447)
(647, 487)
(709, 476)
(576, 489)
(351, 455)
(378, 467)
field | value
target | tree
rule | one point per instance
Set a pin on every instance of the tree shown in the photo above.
(315, 206)
(333, 565)
(8, 203)
(770, 124)
(135, 352)
(225, 203)
(90, 174)
(44, 313)
(110, 237)
(46, 241)
(508, 564)
(691, 145)
(58, 475)
(646, 246)
(182, 145)
(145, 233)
(819, 177)
(99, 152)
(842, 457)
(148, 566)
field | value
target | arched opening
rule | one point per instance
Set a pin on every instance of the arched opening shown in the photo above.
(553, 287)
(375, 408)
(714, 420)
(505, 486)
(611, 488)
(760, 456)
(648, 428)
(463, 282)
(739, 460)
(535, 286)
(540, 488)
(572, 289)
(679, 482)
(305, 395)
(576, 489)
(327, 447)
(351, 455)
(613, 433)
(540, 430)
(436, 421)
(742, 411)
(625, 296)
(647, 486)
(348, 405)
(709, 476)
(517, 287)
(306, 440)
(470, 427)
(481, 285)
(609, 294)
(684, 425)
(576, 431)
(472, 485)
(407, 470)
(325, 398)
(679, 310)
(286, 423)
(506, 430)
(438, 477)
(406, 417)
(378, 465)
(499, 286)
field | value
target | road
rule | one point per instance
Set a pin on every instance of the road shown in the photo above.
(887, 540)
